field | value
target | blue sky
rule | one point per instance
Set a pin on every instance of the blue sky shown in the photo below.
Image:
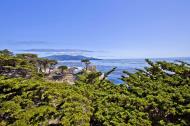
(110, 28)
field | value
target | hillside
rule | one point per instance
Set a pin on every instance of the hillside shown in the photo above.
(69, 57)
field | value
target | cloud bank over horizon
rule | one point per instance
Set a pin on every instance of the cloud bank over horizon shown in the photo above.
(73, 52)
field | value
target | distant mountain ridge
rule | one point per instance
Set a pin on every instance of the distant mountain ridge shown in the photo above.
(56, 50)
(70, 57)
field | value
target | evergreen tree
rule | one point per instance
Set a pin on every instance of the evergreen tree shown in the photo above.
(86, 62)
(62, 68)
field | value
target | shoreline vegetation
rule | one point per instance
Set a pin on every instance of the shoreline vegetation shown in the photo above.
(35, 91)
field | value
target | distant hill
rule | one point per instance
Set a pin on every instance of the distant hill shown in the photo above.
(69, 57)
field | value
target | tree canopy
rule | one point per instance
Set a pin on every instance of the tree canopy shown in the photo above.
(157, 95)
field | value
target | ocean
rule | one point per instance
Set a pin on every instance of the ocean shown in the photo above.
(122, 64)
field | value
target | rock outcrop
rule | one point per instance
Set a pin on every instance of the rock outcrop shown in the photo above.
(14, 72)
(92, 68)
(67, 76)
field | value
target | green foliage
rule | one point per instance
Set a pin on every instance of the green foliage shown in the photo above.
(86, 62)
(62, 68)
(5, 52)
(27, 56)
(156, 95)
(34, 66)
(32, 102)
(165, 87)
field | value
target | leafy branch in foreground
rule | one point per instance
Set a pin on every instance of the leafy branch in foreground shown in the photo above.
(164, 87)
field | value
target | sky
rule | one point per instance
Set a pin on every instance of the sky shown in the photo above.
(105, 28)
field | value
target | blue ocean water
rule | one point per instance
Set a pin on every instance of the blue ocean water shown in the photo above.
(122, 64)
